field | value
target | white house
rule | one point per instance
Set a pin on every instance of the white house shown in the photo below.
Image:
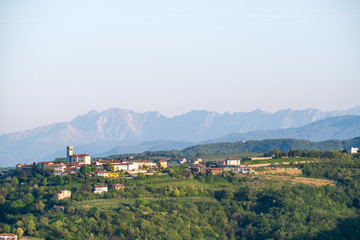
(230, 162)
(354, 150)
(140, 164)
(100, 188)
(126, 167)
(59, 167)
(102, 174)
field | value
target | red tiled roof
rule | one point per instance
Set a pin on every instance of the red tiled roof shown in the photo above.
(25, 165)
(8, 235)
(232, 158)
(55, 165)
(59, 207)
(81, 155)
(100, 186)
(200, 165)
(110, 161)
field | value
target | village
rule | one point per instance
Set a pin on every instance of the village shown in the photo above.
(128, 168)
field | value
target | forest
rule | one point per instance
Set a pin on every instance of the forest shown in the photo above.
(179, 203)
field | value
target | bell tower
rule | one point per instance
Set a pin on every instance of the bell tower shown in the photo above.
(69, 153)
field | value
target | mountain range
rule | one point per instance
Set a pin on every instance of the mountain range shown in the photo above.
(117, 131)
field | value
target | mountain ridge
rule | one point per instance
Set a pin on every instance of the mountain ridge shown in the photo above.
(120, 126)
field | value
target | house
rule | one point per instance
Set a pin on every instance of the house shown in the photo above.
(126, 167)
(198, 161)
(163, 163)
(230, 162)
(102, 174)
(24, 167)
(63, 194)
(118, 186)
(140, 164)
(59, 167)
(107, 174)
(41, 164)
(201, 167)
(8, 236)
(240, 170)
(100, 188)
(114, 174)
(354, 150)
(215, 171)
(104, 162)
(77, 158)
(182, 161)
(58, 208)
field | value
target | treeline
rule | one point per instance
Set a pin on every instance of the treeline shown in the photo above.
(264, 146)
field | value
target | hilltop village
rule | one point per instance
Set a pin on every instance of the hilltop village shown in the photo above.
(131, 167)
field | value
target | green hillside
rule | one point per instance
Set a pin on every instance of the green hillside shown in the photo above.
(263, 146)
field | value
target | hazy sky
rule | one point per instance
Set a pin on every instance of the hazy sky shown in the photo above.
(60, 59)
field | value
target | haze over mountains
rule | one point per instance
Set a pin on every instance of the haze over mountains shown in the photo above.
(118, 131)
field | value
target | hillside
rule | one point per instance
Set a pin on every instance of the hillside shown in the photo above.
(263, 146)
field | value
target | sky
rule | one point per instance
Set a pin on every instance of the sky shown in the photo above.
(61, 59)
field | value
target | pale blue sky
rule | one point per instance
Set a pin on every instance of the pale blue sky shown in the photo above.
(60, 59)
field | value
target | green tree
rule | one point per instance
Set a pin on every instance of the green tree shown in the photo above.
(85, 169)
(141, 176)
(40, 206)
(7, 229)
(109, 167)
(28, 198)
(19, 232)
(43, 182)
(31, 227)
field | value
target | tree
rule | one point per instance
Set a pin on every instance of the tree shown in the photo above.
(28, 198)
(109, 167)
(85, 169)
(43, 182)
(7, 229)
(277, 153)
(59, 180)
(31, 227)
(19, 232)
(40, 206)
(2, 200)
(141, 176)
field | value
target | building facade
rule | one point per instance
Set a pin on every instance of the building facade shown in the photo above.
(77, 158)
(63, 194)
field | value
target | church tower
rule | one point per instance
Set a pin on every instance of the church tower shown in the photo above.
(69, 153)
